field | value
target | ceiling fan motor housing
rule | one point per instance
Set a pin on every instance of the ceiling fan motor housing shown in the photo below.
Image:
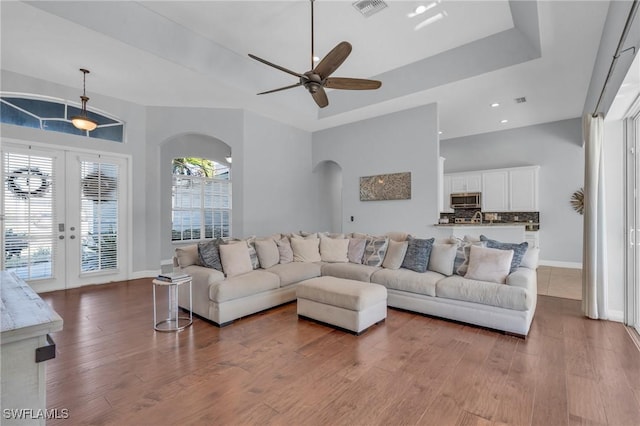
(311, 81)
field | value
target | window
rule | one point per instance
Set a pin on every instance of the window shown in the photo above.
(201, 199)
(55, 115)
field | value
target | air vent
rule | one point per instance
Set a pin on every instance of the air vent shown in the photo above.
(520, 100)
(369, 7)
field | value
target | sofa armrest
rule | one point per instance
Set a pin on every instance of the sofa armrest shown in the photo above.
(523, 277)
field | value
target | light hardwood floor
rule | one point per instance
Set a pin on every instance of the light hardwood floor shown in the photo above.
(271, 368)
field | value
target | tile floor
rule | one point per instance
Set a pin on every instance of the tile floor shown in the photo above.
(560, 282)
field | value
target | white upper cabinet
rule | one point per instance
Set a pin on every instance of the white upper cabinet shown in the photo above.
(466, 182)
(495, 191)
(446, 195)
(523, 189)
(503, 190)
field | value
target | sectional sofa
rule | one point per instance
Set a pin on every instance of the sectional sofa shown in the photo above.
(508, 305)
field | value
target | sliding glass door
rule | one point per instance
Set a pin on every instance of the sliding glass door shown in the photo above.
(632, 137)
(63, 217)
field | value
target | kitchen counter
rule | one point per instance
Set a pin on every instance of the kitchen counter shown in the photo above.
(501, 231)
(488, 224)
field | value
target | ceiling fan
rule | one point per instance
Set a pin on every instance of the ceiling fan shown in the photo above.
(318, 78)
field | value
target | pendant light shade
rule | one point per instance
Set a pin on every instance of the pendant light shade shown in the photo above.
(81, 121)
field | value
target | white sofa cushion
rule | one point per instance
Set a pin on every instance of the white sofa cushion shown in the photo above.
(306, 250)
(442, 258)
(268, 253)
(355, 252)
(485, 293)
(349, 271)
(334, 250)
(530, 258)
(347, 294)
(285, 250)
(243, 285)
(294, 272)
(187, 255)
(489, 264)
(235, 258)
(395, 254)
(408, 280)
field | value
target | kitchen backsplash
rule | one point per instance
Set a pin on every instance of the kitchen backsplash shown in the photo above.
(504, 217)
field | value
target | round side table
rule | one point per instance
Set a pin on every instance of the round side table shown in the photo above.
(173, 322)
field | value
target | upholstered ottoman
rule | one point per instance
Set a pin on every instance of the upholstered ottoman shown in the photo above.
(347, 304)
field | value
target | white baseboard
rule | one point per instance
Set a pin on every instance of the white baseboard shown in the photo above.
(558, 264)
(617, 316)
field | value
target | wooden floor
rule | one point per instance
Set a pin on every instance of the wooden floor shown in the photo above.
(271, 368)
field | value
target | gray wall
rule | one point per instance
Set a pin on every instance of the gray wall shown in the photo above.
(557, 148)
(278, 178)
(405, 141)
(329, 190)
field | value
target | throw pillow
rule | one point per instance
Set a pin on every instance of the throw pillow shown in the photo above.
(397, 236)
(330, 235)
(461, 262)
(356, 249)
(442, 258)
(375, 250)
(418, 252)
(530, 258)
(489, 264)
(268, 253)
(188, 255)
(209, 253)
(304, 236)
(519, 250)
(253, 255)
(334, 250)
(306, 250)
(395, 254)
(285, 250)
(235, 259)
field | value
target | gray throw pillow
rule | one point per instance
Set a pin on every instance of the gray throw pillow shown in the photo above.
(356, 249)
(209, 253)
(285, 250)
(253, 254)
(418, 252)
(519, 250)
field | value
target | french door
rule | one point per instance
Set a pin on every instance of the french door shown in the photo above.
(63, 217)
(632, 296)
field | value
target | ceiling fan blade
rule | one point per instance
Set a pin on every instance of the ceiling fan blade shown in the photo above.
(333, 60)
(320, 96)
(264, 61)
(281, 88)
(351, 83)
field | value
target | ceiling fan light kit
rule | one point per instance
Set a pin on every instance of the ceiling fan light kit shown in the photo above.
(316, 80)
(82, 121)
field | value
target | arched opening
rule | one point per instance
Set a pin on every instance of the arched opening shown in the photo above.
(329, 184)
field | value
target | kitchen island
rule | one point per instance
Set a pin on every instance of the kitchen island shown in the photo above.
(25, 323)
(508, 232)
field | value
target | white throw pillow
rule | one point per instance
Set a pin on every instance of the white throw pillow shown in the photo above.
(268, 253)
(530, 258)
(487, 264)
(235, 259)
(395, 254)
(442, 258)
(187, 255)
(306, 250)
(334, 250)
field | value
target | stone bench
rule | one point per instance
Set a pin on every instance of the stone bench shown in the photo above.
(346, 304)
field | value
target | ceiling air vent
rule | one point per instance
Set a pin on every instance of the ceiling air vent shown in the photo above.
(520, 100)
(369, 7)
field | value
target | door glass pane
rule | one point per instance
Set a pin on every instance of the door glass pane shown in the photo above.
(28, 202)
(99, 216)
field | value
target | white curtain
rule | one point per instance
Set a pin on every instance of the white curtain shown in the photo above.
(594, 252)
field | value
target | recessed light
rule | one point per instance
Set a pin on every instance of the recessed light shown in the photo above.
(440, 132)
(495, 105)
(504, 121)
(422, 8)
(316, 59)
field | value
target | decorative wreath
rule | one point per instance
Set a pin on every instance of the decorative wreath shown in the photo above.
(577, 201)
(97, 186)
(19, 182)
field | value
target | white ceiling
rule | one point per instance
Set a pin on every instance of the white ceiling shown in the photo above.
(175, 53)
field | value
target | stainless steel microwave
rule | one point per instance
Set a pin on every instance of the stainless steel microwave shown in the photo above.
(466, 200)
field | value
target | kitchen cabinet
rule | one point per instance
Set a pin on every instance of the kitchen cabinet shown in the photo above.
(503, 190)
(523, 189)
(466, 182)
(495, 191)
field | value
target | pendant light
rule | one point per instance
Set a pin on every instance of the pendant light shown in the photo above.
(81, 121)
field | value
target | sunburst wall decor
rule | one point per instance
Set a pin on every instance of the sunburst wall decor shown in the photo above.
(577, 200)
